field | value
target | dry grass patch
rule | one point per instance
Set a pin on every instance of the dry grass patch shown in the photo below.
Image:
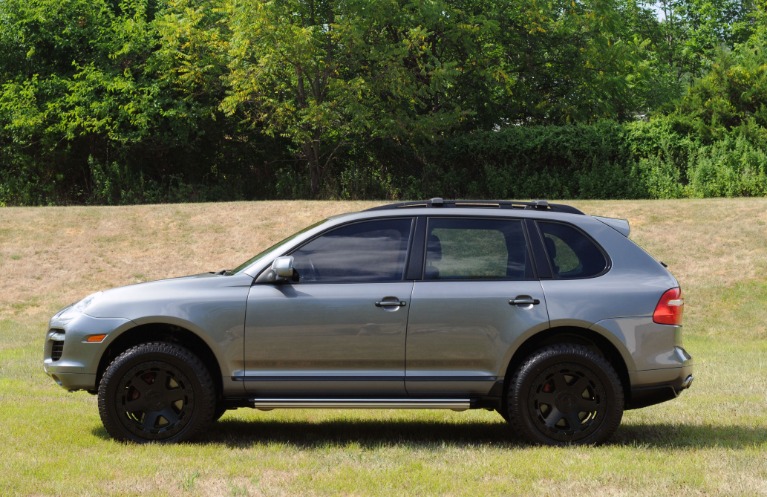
(704, 242)
(55, 255)
(717, 249)
(71, 250)
(710, 442)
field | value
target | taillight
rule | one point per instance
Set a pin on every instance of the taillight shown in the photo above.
(670, 307)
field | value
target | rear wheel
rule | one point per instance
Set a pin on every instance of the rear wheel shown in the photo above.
(156, 392)
(565, 394)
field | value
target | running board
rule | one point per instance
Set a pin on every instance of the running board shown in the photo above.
(454, 404)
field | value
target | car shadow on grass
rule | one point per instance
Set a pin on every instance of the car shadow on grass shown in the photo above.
(365, 433)
(383, 433)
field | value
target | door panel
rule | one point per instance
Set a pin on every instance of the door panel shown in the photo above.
(478, 298)
(461, 333)
(326, 339)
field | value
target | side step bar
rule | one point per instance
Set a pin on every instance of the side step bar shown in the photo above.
(454, 404)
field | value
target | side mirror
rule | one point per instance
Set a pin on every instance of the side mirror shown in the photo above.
(281, 271)
(283, 268)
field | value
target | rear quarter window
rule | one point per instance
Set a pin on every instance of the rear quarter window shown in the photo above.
(570, 252)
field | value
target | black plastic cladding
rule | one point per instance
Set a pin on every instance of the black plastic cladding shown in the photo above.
(541, 205)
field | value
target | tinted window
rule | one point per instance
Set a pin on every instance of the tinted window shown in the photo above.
(570, 252)
(369, 251)
(476, 249)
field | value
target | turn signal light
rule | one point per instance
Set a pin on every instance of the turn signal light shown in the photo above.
(670, 308)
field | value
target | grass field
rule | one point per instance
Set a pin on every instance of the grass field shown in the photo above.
(710, 441)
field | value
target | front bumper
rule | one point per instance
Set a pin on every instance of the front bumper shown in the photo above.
(68, 358)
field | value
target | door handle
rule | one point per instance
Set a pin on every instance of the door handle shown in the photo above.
(391, 303)
(524, 300)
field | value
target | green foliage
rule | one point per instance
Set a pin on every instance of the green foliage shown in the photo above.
(574, 62)
(656, 178)
(538, 162)
(329, 76)
(693, 31)
(132, 101)
(732, 167)
(732, 93)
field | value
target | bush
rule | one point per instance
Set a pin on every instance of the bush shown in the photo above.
(586, 161)
(733, 167)
(662, 158)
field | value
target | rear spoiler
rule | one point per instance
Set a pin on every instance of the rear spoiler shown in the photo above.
(619, 225)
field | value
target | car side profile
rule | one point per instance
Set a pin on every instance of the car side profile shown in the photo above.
(552, 317)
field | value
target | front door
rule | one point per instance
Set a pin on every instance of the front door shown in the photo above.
(340, 329)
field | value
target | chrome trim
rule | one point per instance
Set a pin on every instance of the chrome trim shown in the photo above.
(276, 403)
(687, 382)
(318, 378)
(391, 303)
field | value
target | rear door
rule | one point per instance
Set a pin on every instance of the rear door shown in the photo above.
(478, 296)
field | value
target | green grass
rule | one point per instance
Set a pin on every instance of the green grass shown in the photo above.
(710, 441)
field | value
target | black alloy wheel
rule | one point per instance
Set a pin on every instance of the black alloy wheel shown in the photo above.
(565, 394)
(157, 392)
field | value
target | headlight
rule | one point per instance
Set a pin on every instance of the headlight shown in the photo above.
(69, 313)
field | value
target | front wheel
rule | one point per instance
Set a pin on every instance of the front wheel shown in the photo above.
(156, 392)
(565, 394)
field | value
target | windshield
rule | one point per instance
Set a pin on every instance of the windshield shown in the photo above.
(253, 259)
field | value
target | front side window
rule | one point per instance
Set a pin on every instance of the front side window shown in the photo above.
(369, 251)
(570, 252)
(476, 249)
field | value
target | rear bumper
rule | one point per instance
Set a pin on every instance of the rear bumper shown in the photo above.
(647, 396)
(660, 385)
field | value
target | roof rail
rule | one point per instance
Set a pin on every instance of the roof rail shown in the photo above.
(437, 202)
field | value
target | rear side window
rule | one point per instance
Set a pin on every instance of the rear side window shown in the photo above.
(570, 252)
(476, 249)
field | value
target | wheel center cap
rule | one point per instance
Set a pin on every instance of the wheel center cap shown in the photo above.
(567, 403)
(154, 401)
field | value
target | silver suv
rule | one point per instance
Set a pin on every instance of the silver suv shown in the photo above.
(551, 317)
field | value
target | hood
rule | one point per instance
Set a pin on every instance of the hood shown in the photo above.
(167, 297)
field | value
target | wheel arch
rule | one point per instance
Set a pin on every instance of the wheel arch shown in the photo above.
(573, 335)
(163, 332)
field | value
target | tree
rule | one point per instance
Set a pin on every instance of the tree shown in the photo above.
(733, 93)
(694, 30)
(329, 75)
(576, 61)
(45, 44)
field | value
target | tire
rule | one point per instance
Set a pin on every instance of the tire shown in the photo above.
(156, 392)
(565, 394)
(220, 411)
(504, 414)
